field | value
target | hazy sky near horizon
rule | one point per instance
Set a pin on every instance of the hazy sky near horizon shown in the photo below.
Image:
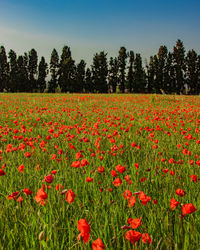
(92, 26)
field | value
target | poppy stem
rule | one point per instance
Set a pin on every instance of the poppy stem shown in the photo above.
(182, 229)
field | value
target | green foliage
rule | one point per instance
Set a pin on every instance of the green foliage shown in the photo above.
(66, 71)
(54, 69)
(179, 66)
(122, 67)
(4, 69)
(99, 72)
(42, 74)
(139, 75)
(80, 77)
(192, 73)
(32, 70)
(130, 76)
(113, 74)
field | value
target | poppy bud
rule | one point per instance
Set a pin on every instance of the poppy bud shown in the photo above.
(41, 236)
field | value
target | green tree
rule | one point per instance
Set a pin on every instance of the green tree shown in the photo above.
(54, 68)
(130, 76)
(169, 75)
(22, 74)
(4, 69)
(89, 87)
(80, 77)
(192, 72)
(150, 75)
(139, 75)
(179, 65)
(198, 73)
(100, 72)
(66, 71)
(42, 74)
(113, 74)
(12, 83)
(162, 60)
(122, 67)
(32, 70)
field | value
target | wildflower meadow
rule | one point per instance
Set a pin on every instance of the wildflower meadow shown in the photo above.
(91, 171)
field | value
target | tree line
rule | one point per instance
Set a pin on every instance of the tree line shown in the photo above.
(166, 72)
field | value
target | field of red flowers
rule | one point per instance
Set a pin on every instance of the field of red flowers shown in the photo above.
(99, 171)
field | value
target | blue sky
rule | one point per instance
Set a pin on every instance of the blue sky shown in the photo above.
(92, 26)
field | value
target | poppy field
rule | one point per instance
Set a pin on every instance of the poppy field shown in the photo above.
(88, 171)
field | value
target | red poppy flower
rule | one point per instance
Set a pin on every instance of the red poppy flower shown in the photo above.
(100, 169)
(2, 172)
(84, 228)
(173, 203)
(89, 179)
(27, 191)
(131, 201)
(146, 238)
(120, 169)
(76, 164)
(193, 178)
(21, 168)
(13, 195)
(70, 196)
(41, 197)
(54, 171)
(135, 223)
(113, 173)
(133, 236)
(188, 209)
(180, 192)
(48, 178)
(144, 198)
(127, 194)
(20, 199)
(98, 244)
(117, 182)
(27, 154)
(84, 162)
(78, 155)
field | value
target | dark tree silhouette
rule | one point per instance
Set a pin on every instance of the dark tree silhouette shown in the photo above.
(113, 74)
(4, 69)
(32, 69)
(130, 76)
(122, 67)
(99, 72)
(42, 74)
(54, 68)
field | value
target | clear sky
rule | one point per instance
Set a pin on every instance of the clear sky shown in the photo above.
(91, 26)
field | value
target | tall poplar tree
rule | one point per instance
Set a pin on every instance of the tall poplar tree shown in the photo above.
(22, 74)
(150, 75)
(66, 71)
(122, 67)
(32, 69)
(4, 69)
(192, 72)
(113, 74)
(54, 68)
(80, 77)
(162, 60)
(100, 72)
(139, 75)
(89, 87)
(12, 83)
(130, 76)
(42, 74)
(179, 65)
